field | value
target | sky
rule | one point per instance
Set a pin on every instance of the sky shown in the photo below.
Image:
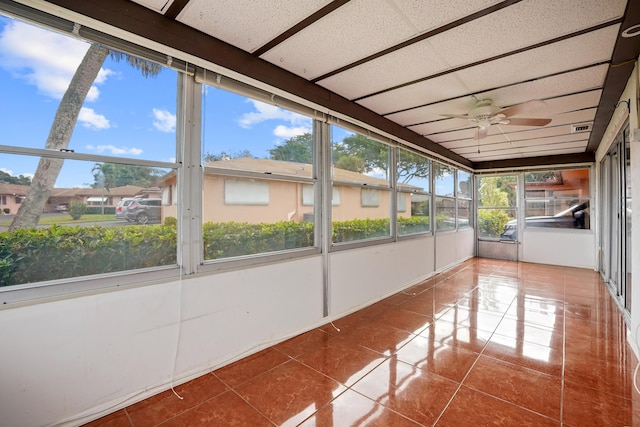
(124, 115)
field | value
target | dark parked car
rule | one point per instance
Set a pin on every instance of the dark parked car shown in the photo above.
(144, 211)
(577, 216)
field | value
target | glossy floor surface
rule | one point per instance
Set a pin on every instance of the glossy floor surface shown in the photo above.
(487, 343)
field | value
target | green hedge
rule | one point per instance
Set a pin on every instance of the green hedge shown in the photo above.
(58, 252)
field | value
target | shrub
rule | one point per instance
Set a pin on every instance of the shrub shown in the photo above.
(491, 222)
(77, 209)
(170, 221)
(7, 211)
(58, 252)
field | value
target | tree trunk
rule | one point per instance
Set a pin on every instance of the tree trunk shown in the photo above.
(62, 128)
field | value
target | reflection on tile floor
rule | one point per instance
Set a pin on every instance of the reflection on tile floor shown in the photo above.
(487, 343)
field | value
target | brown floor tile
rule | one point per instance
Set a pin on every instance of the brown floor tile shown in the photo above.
(449, 333)
(611, 378)
(547, 360)
(245, 369)
(303, 343)
(225, 410)
(353, 409)
(339, 359)
(116, 419)
(584, 406)
(473, 408)
(381, 338)
(404, 320)
(417, 394)
(452, 362)
(166, 405)
(465, 316)
(290, 393)
(524, 387)
(528, 332)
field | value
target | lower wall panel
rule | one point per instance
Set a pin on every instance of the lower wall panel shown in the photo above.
(571, 248)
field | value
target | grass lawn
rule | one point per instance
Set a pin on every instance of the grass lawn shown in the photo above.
(65, 219)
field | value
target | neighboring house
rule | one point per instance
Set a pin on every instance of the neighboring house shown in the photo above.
(12, 195)
(235, 198)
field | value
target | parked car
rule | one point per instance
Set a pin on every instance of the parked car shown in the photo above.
(144, 211)
(61, 208)
(121, 207)
(577, 216)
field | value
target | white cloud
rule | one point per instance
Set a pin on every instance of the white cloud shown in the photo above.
(164, 121)
(289, 132)
(266, 112)
(114, 150)
(91, 120)
(43, 58)
(7, 171)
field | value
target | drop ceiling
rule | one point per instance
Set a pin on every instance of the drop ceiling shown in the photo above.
(401, 65)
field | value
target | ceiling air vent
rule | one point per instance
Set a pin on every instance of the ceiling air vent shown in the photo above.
(585, 127)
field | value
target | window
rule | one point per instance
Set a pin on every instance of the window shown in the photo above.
(444, 176)
(3, 200)
(245, 192)
(122, 145)
(413, 187)
(370, 198)
(259, 179)
(360, 170)
(463, 199)
(497, 198)
(557, 199)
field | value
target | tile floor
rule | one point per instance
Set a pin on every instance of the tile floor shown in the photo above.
(487, 343)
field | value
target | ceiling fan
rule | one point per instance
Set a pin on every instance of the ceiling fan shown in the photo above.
(485, 114)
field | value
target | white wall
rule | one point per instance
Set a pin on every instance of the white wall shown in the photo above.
(571, 248)
(63, 362)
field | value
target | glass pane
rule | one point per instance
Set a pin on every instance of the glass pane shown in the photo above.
(247, 216)
(464, 184)
(240, 133)
(444, 181)
(464, 213)
(417, 220)
(497, 191)
(413, 172)
(128, 111)
(572, 183)
(557, 213)
(362, 214)
(98, 218)
(445, 214)
(497, 223)
(356, 158)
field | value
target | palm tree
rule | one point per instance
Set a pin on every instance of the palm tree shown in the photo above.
(62, 128)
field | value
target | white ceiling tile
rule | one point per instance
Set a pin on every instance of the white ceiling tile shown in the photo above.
(430, 14)
(520, 25)
(411, 63)
(157, 5)
(247, 24)
(584, 50)
(429, 91)
(362, 28)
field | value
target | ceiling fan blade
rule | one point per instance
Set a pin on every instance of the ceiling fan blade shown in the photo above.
(518, 121)
(482, 132)
(456, 116)
(528, 106)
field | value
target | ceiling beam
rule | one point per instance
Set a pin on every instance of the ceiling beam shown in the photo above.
(560, 159)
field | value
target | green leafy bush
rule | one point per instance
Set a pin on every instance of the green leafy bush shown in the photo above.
(77, 209)
(58, 252)
(491, 222)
